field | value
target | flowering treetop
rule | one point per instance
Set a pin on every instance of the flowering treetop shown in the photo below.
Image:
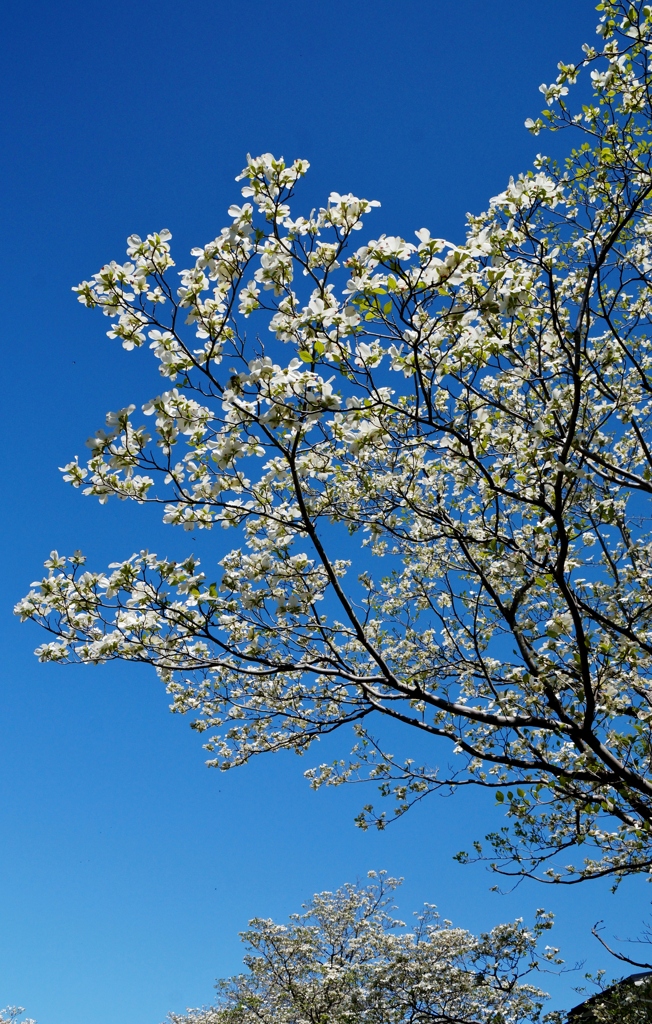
(347, 960)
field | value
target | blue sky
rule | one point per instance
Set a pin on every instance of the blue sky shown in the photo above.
(126, 867)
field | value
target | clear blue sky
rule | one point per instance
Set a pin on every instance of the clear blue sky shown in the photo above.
(126, 867)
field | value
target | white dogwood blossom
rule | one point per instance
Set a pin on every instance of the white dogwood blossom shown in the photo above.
(436, 467)
(347, 960)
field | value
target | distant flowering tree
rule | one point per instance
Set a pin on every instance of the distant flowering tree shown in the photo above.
(438, 468)
(346, 960)
(12, 1015)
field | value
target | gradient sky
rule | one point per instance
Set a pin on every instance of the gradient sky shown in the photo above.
(126, 867)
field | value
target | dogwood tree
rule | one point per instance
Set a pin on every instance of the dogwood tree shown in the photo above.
(13, 1015)
(435, 460)
(346, 959)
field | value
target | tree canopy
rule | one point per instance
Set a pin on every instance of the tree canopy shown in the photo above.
(436, 462)
(347, 960)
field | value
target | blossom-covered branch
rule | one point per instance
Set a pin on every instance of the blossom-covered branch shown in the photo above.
(438, 469)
